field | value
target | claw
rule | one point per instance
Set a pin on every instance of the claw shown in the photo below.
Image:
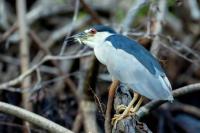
(128, 111)
(117, 117)
(120, 109)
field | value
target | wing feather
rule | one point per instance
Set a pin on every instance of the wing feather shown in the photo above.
(138, 51)
(133, 65)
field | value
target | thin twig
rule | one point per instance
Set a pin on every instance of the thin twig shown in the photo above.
(127, 21)
(157, 26)
(39, 85)
(91, 12)
(68, 81)
(46, 58)
(38, 41)
(62, 31)
(98, 102)
(12, 29)
(72, 25)
(36, 13)
(180, 54)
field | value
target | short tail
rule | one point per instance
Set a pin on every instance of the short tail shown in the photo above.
(169, 88)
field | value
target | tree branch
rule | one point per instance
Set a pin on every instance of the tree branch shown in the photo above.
(157, 26)
(129, 124)
(32, 118)
(46, 58)
(176, 93)
(24, 53)
(91, 12)
(131, 15)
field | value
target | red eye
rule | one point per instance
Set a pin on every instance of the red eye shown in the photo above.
(93, 31)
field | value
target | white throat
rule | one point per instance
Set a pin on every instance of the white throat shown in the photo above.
(97, 39)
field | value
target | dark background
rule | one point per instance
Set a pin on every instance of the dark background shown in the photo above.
(64, 83)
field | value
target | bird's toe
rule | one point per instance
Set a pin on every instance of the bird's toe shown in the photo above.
(115, 119)
(121, 112)
(120, 109)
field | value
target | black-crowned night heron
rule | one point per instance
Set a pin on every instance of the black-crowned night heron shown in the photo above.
(128, 62)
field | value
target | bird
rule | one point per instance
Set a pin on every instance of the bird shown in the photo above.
(129, 63)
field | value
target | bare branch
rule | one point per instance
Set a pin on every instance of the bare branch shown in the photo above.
(131, 14)
(46, 58)
(88, 109)
(87, 81)
(12, 29)
(176, 93)
(72, 25)
(24, 53)
(186, 108)
(129, 124)
(157, 26)
(90, 11)
(61, 32)
(194, 9)
(32, 118)
(77, 122)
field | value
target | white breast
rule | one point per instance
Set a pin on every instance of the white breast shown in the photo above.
(103, 52)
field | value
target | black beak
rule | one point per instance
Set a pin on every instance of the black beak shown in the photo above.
(78, 37)
(68, 41)
(74, 39)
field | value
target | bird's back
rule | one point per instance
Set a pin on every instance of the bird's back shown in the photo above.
(133, 65)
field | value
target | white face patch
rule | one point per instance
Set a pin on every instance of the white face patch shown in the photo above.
(87, 31)
(97, 39)
(78, 39)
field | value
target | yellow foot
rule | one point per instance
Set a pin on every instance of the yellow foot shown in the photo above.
(126, 112)
(115, 119)
(118, 117)
(121, 108)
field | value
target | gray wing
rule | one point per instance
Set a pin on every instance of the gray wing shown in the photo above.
(138, 51)
(136, 67)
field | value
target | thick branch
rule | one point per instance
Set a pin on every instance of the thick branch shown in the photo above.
(24, 53)
(122, 98)
(87, 82)
(176, 93)
(32, 118)
(129, 124)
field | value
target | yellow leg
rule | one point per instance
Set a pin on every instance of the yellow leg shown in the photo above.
(137, 106)
(122, 107)
(127, 110)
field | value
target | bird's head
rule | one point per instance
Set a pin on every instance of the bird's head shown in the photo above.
(93, 36)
